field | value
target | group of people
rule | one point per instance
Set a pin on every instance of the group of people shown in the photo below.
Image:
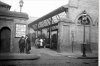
(40, 43)
(25, 44)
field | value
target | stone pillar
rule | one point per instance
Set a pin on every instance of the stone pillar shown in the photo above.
(64, 37)
(60, 31)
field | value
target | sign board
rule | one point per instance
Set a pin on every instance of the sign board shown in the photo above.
(20, 30)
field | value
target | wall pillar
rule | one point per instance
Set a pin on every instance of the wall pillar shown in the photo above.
(60, 30)
(64, 43)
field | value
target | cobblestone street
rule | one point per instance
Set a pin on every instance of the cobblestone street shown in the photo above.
(50, 60)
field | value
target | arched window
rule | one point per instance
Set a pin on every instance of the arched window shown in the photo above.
(84, 19)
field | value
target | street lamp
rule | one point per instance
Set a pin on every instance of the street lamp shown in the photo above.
(84, 22)
(72, 32)
(21, 4)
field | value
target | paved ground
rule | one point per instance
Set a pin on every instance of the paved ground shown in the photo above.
(52, 58)
(54, 53)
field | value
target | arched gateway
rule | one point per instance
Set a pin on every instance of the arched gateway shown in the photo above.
(5, 35)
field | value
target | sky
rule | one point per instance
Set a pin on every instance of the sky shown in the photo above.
(36, 8)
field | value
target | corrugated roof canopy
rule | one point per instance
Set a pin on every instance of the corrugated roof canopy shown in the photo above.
(55, 12)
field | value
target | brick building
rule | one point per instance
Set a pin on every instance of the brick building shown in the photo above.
(10, 24)
(74, 24)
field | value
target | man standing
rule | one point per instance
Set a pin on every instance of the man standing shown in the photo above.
(37, 42)
(28, 44)
(22, 44)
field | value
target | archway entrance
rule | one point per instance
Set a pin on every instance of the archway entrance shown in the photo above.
(5, 35)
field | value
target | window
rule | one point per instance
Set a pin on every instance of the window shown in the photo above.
(20, 30)
(84, 19)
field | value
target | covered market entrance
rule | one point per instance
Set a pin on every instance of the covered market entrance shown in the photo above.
(48, 26)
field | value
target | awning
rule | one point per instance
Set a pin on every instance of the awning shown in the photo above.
(55, 12)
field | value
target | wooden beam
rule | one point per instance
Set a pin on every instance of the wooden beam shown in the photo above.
(47, 26)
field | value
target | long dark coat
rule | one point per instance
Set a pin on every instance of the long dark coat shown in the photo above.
(22, 43)
(28, 44)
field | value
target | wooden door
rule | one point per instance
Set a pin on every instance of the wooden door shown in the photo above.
(5, 35)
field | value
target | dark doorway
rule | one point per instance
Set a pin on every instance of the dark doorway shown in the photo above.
(5, 35)
(54, 39)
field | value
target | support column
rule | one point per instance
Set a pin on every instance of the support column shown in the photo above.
(41, 31)
(60, 32)
(37, 29)
(50, 36)
(50, 32)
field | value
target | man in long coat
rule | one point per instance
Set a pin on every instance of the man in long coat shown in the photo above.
(22, 44)
(28, 44)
